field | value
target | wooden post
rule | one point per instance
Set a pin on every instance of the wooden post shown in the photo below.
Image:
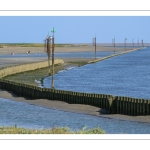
(95, 48)
(140, 107)
(118, 106)
(143, 102)
(129, 106)
(121, 105)
(147, 107)
(73, 97)
(101, 100)
(52, 62)
(48, 52)
(137, 107)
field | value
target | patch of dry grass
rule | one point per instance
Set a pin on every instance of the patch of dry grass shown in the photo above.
(61, 130)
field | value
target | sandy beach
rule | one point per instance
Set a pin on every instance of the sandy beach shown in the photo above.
(4, 62)
(77, 48)
(86, 109)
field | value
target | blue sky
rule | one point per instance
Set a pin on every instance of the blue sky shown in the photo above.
(74, 29)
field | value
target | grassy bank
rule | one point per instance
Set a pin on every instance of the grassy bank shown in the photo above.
(29, 77)
(79, 63)
(61, 130)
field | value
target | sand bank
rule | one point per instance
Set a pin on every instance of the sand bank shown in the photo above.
(78, 48)
(4, 62)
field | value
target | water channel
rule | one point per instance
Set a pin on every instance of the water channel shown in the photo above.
(125, 75)
(31, 116)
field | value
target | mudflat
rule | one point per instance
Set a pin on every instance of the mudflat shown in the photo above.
(77, 108)
(12, 50)
(77, 48)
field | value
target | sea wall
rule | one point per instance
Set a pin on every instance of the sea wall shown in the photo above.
(26, 67)
(114, 104)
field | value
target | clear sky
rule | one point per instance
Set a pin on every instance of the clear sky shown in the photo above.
(74, 29)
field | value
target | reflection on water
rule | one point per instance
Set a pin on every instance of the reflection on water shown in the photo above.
(124, 75)
(31, 116)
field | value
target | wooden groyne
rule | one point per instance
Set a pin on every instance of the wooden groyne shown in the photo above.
(114, 104)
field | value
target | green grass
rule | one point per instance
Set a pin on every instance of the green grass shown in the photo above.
(79, 63)
(60, 130)
(29, 77)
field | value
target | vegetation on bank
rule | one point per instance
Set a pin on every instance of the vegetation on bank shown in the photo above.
(37, 45)
(79, 63)
(60, 130)
(29, 77)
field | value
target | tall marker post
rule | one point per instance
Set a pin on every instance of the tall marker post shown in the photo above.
(53, 31)
(125, 43)
(48, 50)
(133, 43)
(94, 44)
(95, 47)
(113, 41)
(142, 43)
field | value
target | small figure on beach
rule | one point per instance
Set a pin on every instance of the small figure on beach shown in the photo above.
(12, 53)
(28, 52)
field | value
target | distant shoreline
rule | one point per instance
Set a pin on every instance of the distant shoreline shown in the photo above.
(66, 48)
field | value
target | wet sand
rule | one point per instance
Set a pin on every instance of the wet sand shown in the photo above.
(4, 62)
(77, 108)
(86, 109)
(78, 48)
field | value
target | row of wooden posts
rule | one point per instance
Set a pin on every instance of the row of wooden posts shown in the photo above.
(114, 104)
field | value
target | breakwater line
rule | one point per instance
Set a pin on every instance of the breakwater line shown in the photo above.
(113, 55)
(114, 104)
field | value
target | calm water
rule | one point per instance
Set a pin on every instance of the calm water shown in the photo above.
(31, 116)
(124, 75)
(61, 55)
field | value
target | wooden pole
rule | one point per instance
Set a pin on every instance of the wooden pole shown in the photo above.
(53, 62)
(114, 45)
(48, 53)
(95, 48)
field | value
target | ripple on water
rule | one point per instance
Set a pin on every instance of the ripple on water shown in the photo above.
(32, 116)
(124, 75)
